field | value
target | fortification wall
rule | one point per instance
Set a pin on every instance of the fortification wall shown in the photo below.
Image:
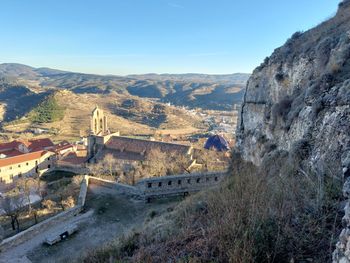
(146, 188)
(83, 191)
(178, 184)
(121, 188)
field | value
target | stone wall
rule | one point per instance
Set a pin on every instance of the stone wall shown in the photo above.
(42, 226)
(178, 184)
(38, 228)
(121, 188)
(146, 188)
(83, 191)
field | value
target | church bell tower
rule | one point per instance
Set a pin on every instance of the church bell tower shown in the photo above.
(98, 124)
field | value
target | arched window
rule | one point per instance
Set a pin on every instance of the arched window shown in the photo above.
(95, 126)
(101, 124)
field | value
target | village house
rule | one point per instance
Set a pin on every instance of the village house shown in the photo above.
(25, 158)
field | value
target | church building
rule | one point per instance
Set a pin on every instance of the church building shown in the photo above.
(102, 142)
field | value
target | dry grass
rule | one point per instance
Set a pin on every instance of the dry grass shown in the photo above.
(78, 108)
(258, 215)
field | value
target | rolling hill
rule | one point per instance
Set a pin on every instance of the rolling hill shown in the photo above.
(217, 92)
(136, 104)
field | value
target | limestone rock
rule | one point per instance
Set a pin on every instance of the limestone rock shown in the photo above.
(300, 96)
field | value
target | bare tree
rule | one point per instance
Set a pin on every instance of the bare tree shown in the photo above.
(96, 169)
(109, 162)
(69, 202)
(108, 166)
(48, 204)
(12, 205)
(155, 163)
(27, 185)
(178, 163)
(65, 195)
(211, 160)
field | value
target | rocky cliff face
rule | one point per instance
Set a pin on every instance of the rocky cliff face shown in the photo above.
(298, 100)
(302, 92)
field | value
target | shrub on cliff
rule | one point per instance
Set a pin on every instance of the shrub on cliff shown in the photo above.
(257, 215)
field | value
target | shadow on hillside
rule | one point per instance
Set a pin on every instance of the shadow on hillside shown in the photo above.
(19, 100)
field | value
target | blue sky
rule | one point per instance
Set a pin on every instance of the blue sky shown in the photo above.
(143, 36)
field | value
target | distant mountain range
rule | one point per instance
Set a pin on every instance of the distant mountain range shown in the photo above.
(217, 92)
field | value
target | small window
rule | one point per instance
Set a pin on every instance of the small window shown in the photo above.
(198, 180)
(189, 181)
(149, 185)
(216, 178)
(179, 182)
(160, 184)
(36, 162)
(169, 183)
(48, 158)
(11, 176)
(49, 166)
(19, 166)
(10, 167)
(19, 175)
(27, 164)
(207, 179)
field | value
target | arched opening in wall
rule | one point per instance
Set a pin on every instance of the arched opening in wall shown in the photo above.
(95, 131)
(207, 179)
(160, 184)
(149, 185)
(216, 179)
(101, 124)
(189, 181)
(169, 183)
(179, 182)
(198, 180)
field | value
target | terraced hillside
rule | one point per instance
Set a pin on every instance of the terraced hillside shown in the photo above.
(127, 114)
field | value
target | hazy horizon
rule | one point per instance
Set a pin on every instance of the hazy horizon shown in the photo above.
(125, 75)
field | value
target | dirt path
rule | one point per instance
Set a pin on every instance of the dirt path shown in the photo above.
(18, 253)
(109, 215)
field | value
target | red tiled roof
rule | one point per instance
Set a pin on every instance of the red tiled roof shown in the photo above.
(22, 158)
(62, 146)
(11, 153)
(73, 158)
(39, 144)
(7, 146)
(32, 145)
(142, 146)
(125, 155)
